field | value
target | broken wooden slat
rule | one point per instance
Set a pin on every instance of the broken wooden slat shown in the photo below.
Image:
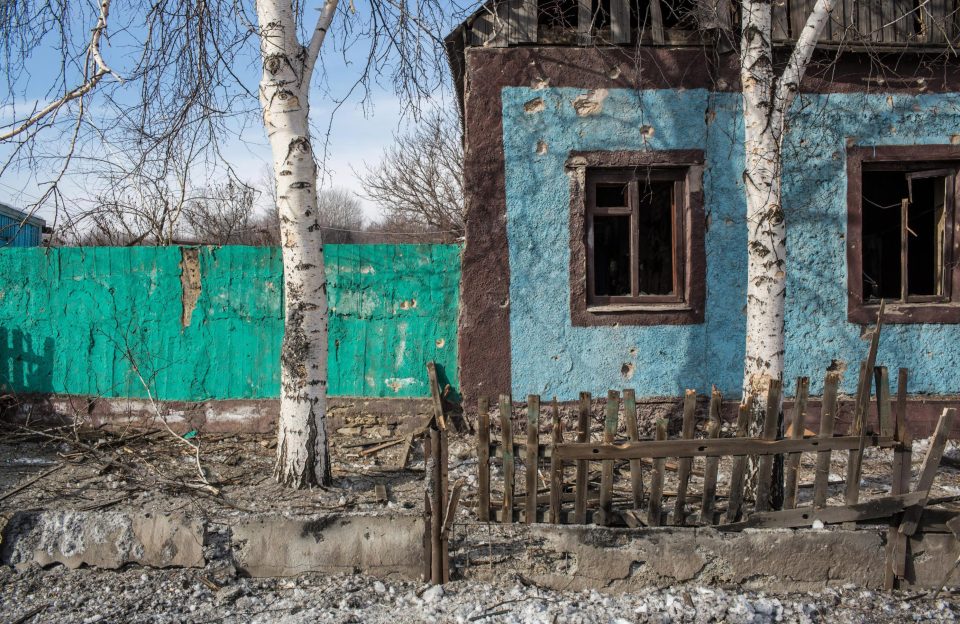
(739, 463)
(685, 463)
(533, 437)
(376, 449)
(852, 493)
(435, 395)
(620, 21)
(380, 492)
(828, 415)
(506, 433)
(655, 505)
(451, 514)
(583, 436)
(712, 448)
(610, 423)
(903, 453)
(483, 459)
(884, 411)
(712, 464)
(928, 471)
(797, 429)
(806, 516)
(405, 451)
(636, 465)
(444, 489)
(765, 465)
(556, 467)
(427, 511)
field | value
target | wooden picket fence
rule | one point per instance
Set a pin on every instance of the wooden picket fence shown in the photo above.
(565, 501)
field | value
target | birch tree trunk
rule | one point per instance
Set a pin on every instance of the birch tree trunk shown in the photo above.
(302, 456)
(766, 103)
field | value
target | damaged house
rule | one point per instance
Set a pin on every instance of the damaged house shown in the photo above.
(606, 237)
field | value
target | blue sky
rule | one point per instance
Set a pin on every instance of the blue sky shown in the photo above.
(359, 130)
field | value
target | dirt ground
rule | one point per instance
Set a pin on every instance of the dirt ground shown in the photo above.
(160, 470)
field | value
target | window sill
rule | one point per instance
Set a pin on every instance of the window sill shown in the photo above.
(905, 313)
(622, 308)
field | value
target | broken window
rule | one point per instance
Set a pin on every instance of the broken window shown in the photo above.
(901, 246)
(557, 21)
(634, 221)
(906, 215)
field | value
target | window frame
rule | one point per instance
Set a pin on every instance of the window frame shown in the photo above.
(685, 305)
(944, 308)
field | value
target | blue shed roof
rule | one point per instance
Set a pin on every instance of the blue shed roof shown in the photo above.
(23, 217)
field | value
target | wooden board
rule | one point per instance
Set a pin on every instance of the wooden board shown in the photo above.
(797, 429)
(483, 459)
(636, 465)
(655, 505)
(532, 461)
(765, 465)
(685, 463)
(610, 424)
(712, 464)
(928, 472)
(739, 469)
(583, 437)
(556, 466)
(828, 416)
(506, 434)
(805, 516)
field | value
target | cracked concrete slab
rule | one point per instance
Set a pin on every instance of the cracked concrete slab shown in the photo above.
(103, 539)
(380, 545)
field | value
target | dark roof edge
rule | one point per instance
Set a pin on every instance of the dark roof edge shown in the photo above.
(19, 215)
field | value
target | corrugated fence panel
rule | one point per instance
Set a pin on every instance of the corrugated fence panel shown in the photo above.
(116, 322)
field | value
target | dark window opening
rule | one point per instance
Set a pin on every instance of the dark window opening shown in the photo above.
(611, 242)
(600, 14)
(655, 257)
(634, 246)
(557, 14)
(679, 14)
(905, 216)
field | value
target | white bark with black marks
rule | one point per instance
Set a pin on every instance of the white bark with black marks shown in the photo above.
(766, 102)
(302, 456)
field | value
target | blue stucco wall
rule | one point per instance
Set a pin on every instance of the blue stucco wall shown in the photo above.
(551, 357)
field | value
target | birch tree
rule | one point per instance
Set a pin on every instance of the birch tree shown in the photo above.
(181, 74)
(766, 103)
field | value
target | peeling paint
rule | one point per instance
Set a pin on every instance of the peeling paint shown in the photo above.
(189, 282)
(590, 103)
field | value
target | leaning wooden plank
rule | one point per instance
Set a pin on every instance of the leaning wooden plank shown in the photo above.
(855, 457)
(610, 424)
(685, 463)
(435, 395)
(797, 429)
(884, 410)
(739, 463)
(903, 453)
(928, 471)
(533, 444)
(483, 459)
(721, 447)
(655, 505)
(828, 414)
(854, 465)
(506, 434)
(636, 465)
(436, 510)
(712, 464)
(444, 499)
(806, 516)
(556, 467)
(583, 436)
(765, 465)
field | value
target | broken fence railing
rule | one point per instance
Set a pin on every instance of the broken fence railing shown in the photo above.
(579, 500)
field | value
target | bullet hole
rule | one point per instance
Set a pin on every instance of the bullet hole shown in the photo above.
(955, 139)
(539, 83)
(837, 366)
(614, 72)
(534, 106)
(590, 103)
(408, 305)
(851, 141)
(633, 352)
(626, 371)
(440, 342)
(541, 147)
(646, 131)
